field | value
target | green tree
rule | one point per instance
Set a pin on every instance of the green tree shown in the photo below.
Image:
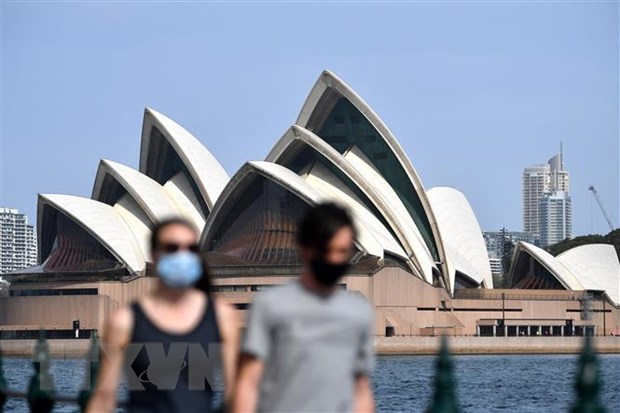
(612, 238)
(507, 251)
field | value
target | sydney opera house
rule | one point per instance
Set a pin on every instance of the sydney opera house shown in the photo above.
(420, 255)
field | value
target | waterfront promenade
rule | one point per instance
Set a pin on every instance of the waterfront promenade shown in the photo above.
(72, 348)
(494, 345)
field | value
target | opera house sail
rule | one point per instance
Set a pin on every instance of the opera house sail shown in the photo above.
(420, 256)
(592, 267)
(107, 234)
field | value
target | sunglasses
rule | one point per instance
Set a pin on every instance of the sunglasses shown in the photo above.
(172, 247)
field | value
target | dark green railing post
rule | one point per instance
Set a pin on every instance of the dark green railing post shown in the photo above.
(3, 385)
(588, 381)
(41, 389)
(444, 398)
(93, 371)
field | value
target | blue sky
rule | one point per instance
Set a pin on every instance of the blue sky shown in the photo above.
(473, 91)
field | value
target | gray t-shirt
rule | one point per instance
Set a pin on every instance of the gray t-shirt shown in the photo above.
(312, 346)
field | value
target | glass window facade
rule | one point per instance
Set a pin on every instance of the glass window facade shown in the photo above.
(53, 291)
(462, 281)
(341, 125)
(72, 249)
(113, 190)
(531, 274)
(259, 225)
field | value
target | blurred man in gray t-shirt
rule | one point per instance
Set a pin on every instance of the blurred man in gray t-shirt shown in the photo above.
(308, 344)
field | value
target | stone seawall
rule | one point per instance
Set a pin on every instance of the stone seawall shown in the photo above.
(384, 345)
(494, 345)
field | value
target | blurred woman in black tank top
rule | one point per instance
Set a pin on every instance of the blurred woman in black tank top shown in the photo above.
(169, 340)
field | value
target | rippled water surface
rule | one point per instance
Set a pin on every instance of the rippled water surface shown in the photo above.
(514, 383)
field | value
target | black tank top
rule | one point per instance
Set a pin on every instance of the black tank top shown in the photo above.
(170, 367)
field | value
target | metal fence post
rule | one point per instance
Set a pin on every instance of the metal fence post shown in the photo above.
(3, 385)
(93, 371)
(41, 389)
(444, 398)
(588, 381)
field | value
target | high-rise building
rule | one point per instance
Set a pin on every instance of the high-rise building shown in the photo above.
(546, 186)
(18, 242)
(536, 181)
(555, 217)
(559, 176)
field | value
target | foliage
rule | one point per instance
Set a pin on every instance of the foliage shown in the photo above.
(500, 281)
(612, 238)
(507, 252)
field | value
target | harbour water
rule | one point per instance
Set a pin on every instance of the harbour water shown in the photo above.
(485, 383)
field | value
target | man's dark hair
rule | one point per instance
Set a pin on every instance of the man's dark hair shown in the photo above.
(319, 225)
(204, 283)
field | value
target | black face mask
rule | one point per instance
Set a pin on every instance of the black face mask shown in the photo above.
(328, 274)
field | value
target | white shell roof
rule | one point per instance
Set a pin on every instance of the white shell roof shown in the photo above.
(375, 189)
(148, 193)
(297, 185)
(461, 234)
(103, 223)
(596, 266)
(329, 80)
(320, 178)
(556, 268)
(290, 180)
(137, 221)
(209, 175)
(179, 189)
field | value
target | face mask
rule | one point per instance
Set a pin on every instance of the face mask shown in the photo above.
(179, 269)
(327, 274)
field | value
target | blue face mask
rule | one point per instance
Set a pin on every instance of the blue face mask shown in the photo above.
(179, 269)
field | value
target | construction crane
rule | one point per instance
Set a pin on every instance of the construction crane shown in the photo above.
(599, 201)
